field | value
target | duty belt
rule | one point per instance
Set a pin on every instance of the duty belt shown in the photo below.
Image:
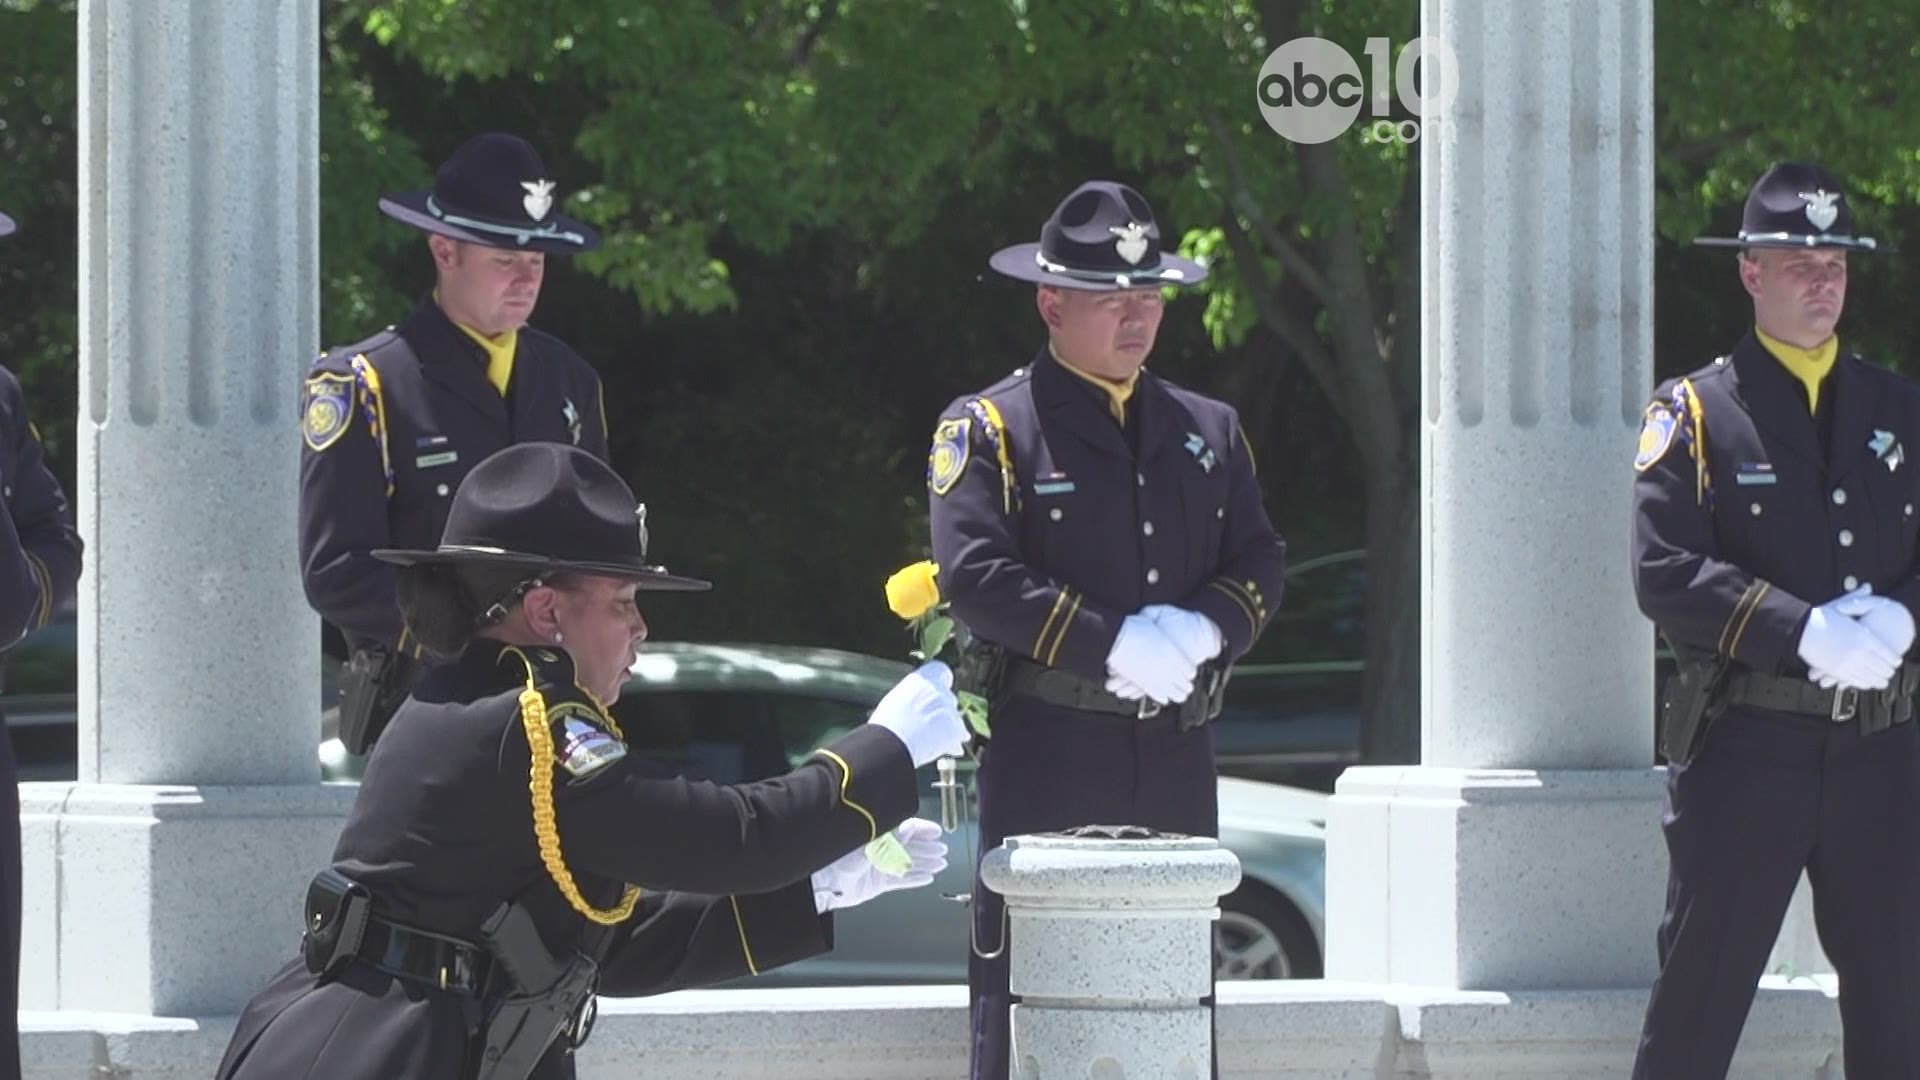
(424, 957)
(1875, 710)
(1068, 690)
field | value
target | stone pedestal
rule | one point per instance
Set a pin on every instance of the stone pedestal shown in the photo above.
(1525, 851)
(1112, 945)
(168, 881)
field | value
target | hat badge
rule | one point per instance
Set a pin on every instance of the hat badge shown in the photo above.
(1130, 242)
(1820, 207)
(539, 198)
(640, 512)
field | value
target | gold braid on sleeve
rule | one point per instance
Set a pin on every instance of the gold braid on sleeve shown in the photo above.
(533, 717)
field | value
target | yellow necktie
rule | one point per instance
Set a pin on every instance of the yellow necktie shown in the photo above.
(1810, 366)
(500, 352)
(1118, 393)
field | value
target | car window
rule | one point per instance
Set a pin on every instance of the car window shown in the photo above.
(1322, 614)
(730, 736)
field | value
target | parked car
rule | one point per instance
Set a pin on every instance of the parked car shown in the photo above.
(743, 712)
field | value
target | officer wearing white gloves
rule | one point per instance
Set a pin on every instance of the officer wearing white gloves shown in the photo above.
(1775, 546)
(1101, 530)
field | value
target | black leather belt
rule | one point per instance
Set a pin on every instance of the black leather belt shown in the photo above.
(421, 956)
(1070, 691)
(1875, 710)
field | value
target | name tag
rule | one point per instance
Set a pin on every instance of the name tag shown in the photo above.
(1755, 472)
(1060, 488)
(428, 461)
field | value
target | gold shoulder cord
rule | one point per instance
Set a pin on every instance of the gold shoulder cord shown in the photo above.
(533, 717)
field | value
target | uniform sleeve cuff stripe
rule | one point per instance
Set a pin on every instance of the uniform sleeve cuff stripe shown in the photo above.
(1065, 625)
(1253, 624)
(846, 777)
(1040, 642)
(741, 924)
(1734, 649)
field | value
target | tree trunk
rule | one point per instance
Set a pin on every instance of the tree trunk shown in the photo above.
(1390, 701)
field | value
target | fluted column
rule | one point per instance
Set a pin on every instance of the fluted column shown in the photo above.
(168, 880)
(1536, 283)
(199, 263)
(1525, 851)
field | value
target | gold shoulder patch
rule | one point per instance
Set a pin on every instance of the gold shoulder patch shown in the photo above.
(329, 410)
(948, 458)
(1656, 435)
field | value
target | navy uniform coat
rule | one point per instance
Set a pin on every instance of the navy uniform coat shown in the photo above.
(1089, 523)
(1748, 512)
(392, 424)
(39, 568)
(441, 833)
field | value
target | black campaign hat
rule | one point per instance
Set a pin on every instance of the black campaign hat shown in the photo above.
(6, 225)
(550, 508)
(1102, 237)
(1795, 205)
(493, 191)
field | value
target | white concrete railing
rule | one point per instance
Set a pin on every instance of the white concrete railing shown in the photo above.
(1294, 1030)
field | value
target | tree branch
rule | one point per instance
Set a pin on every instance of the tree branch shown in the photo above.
(1297, 335)
(1243, 202)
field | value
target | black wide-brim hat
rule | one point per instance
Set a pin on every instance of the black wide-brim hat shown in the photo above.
(1101, 238)
(494, 191)
(1795, 205)
(6, 225)
(548, 508)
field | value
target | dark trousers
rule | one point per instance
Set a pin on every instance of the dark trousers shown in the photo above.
(9, 910)
(1771, 794)
(1051, 768)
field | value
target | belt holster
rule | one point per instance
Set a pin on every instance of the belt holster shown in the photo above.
(1209, 694)
(376, 680)
(335, 921)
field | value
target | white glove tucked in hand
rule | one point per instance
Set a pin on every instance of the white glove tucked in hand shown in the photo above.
(1888, 620)
(1837, 648)
(1145, 659)
(853, 879)
(923, 712)
(1196, 635)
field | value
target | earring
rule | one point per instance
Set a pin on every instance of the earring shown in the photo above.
(556, 637)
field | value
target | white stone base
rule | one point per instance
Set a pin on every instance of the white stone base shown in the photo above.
(1484, 878)
(168, 901)
(1302, 1030)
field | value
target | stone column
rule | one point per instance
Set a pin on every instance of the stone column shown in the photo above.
(1525, 851)
(1112, 939)
(161, 884)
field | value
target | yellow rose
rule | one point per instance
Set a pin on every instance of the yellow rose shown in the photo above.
(912, 592)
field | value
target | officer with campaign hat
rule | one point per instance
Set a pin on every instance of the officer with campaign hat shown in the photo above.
(1774, 546)
(393, 423)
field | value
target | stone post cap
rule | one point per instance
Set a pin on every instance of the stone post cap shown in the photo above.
(1104, 866)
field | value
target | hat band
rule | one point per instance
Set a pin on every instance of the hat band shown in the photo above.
(1812, 239)
(1123, 279)
(518, 235)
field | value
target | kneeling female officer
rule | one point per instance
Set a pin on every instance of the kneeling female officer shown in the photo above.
(505, 847)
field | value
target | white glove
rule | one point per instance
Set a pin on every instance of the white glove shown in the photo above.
(1836, 647)
(1146, 657)
(853, 879)
(1889, 620)
(1196, 635)
(923, 712)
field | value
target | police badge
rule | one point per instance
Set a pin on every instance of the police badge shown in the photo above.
(948, 458)
(329, 410)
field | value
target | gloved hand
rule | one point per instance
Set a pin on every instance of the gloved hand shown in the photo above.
(1836, 647)
(1889, 620)
(923, 712)
(853, 879)
(1196, 635)
(1144, 656)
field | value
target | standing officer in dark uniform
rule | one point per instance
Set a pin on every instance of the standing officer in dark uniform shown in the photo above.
(507, 855)
(394, 422)
(39, 567)
(1775, 543)
(1101, 530)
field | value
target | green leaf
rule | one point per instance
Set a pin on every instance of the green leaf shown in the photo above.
(973, 709)
(936, 634)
